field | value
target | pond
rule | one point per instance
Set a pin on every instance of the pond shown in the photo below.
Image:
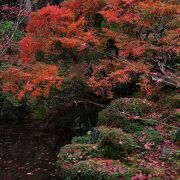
(29, 151)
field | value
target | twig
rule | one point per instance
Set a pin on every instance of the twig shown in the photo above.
(7, 44)
(144, 119)
(91, 102)
(128, 115)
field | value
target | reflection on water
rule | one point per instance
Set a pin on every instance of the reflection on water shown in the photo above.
(29, 152)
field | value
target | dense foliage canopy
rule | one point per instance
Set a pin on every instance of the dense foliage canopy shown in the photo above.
(137, 41)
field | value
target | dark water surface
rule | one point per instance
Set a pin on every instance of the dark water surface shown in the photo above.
(28, 151)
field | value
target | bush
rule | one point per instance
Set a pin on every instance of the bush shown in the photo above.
(7, 28)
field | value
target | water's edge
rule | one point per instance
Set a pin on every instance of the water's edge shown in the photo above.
(29, 150)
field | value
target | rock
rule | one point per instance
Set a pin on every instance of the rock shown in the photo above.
(117, 113)
(115, 143)
(95, 168)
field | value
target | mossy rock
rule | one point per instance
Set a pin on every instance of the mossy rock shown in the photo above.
(86, 139)
(150, 135)
(115, 143)
(116, 113)
(96, 168)
(133, 127)
(177, 114)
(72, 153)
(140, 130)
(173, 101)
(176, 135)
(172, 116)
(148, 171)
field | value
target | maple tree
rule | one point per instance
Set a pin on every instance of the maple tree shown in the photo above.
(108, 74)
(142, 39)
(55, 30)
(142, 30)
(35, 81)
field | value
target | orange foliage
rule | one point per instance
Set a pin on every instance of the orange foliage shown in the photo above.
(84, 7)
(52, 24)
(36, 80)
(108, 74)
(142, 31)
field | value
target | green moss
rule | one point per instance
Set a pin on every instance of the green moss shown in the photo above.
(86, 139)
(148, 171)
(94, 169)
(172, 116)
(176, 135)
(151, 135)
(172, 101)
(115, 143)
(110, 151)
(129, 173)
(116, 113)
(72, 153)
(133, 127)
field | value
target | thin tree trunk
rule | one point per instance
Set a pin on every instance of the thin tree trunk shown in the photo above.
(28, 5)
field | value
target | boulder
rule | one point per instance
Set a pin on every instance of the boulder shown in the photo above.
(117, 113)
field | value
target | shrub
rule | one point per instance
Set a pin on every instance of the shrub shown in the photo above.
(7, 28)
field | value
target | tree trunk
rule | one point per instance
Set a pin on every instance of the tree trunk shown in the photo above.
(28, 5)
